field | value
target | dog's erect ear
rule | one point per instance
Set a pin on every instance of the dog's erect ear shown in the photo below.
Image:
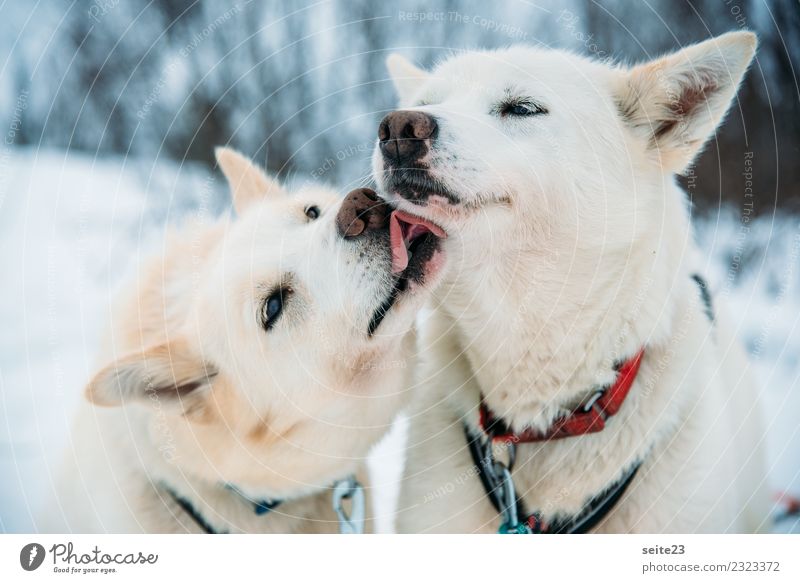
(676, 102)
(406, 76)
(248, 182)
(167, 375)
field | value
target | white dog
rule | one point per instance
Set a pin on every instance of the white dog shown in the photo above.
(573, 330)
(250, 369)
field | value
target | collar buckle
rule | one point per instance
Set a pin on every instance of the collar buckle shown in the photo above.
(500, 485)
(346, 489)
(509, 505)
(586, 418)
(593, 399)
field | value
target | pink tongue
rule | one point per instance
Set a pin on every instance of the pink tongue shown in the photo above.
(413, 224)
(399, 251)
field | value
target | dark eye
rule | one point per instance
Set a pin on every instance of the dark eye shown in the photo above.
(521, 109)
(312, 212)
(273, 307)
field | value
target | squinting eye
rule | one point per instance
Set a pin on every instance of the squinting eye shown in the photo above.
(521, 109)
(273, 307)
(312, 212)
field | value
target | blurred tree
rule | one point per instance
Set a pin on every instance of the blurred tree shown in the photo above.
(300, 84)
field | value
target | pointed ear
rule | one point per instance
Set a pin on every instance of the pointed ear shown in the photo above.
(675, 103)
(406, 76)
(166, 374)
(248, 182)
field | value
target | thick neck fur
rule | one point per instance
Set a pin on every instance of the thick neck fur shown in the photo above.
(131, 491)
(542, 330)
(228, 511)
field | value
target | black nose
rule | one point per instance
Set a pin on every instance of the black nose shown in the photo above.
(406, 136)
(361, 211)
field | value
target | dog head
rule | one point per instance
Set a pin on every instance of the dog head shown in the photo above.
(558, 139)
(270, 350)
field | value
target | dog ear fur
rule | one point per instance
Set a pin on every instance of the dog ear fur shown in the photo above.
(676, 102)
(166, 374)
(406, 76)
(248, 182)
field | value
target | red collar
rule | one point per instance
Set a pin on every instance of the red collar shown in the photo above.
(588, 418)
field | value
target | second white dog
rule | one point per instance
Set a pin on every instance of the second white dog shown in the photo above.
(249, 369)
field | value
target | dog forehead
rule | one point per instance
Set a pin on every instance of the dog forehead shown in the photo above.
(262, 240)
(317, 195)
(541, 71)
(276, 235)
(265, 224)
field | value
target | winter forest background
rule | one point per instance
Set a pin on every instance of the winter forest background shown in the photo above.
(110, 111)
(297, 83)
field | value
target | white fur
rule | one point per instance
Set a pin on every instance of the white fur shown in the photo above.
(571, 249)
(280, 414)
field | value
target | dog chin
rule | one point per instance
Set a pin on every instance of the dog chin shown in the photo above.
(410, 282)
(398, 312)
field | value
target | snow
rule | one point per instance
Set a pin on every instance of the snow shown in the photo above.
(72, 227)
(764, 297)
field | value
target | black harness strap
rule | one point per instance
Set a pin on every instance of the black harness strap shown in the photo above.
(705, 296)
(597, 508)
(593, 512)
(260, 507)
(481, 460)
(189, 509)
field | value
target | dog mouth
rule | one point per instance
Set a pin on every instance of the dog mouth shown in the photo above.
(415, 245)
(416, 185)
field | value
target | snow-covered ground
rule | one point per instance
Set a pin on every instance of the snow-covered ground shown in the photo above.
(72, 227)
